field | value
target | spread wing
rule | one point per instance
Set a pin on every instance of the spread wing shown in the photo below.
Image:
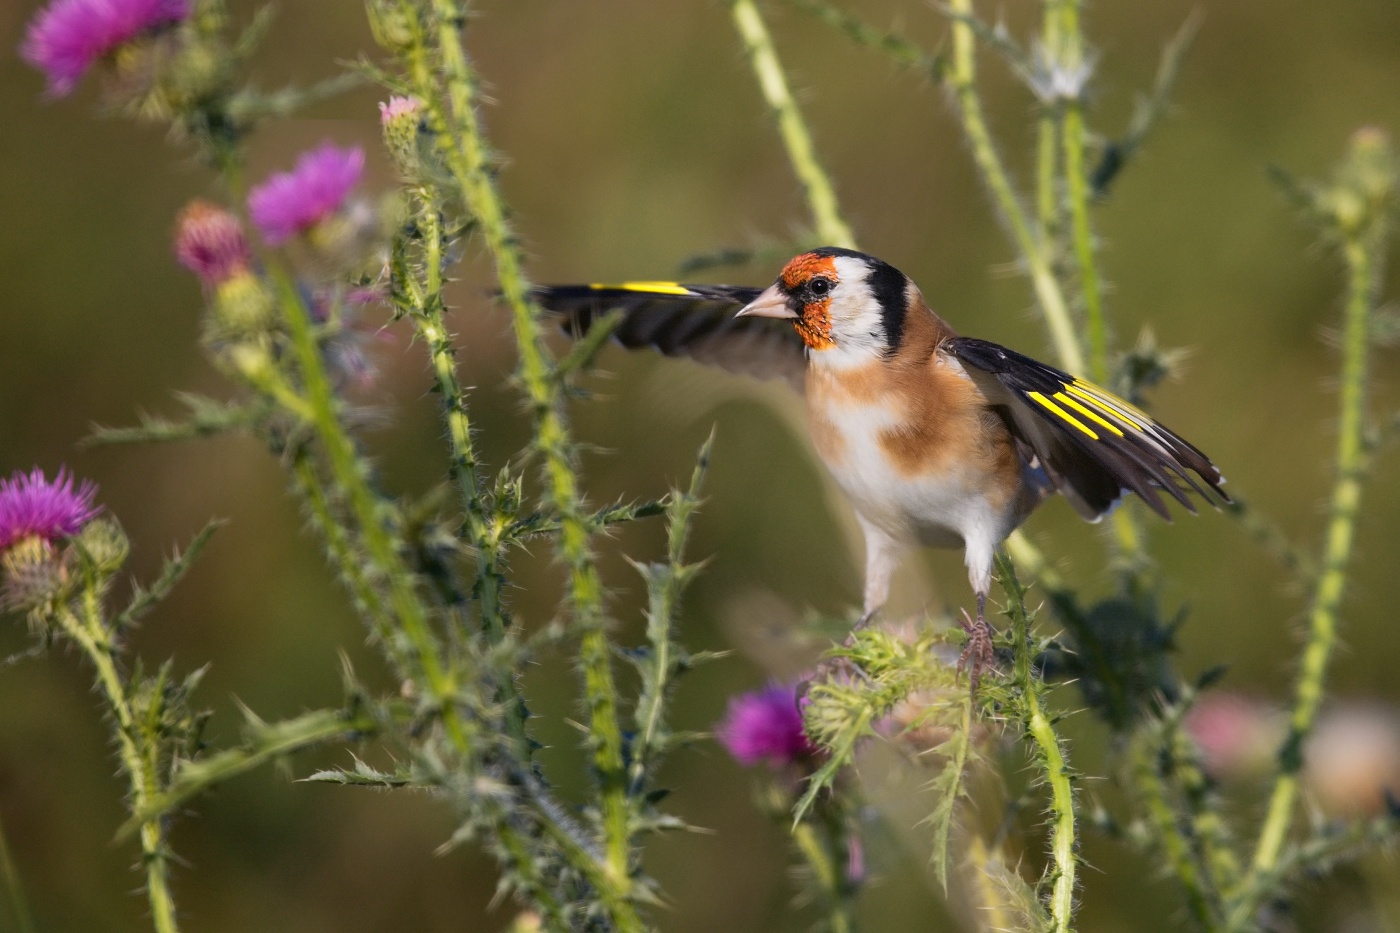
(1094, 445)
(693, 321)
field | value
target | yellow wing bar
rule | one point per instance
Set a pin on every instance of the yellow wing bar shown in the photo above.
(652, 288)
(1061, 413)
(1109, 403)
(1086, 412)
(1093, 404)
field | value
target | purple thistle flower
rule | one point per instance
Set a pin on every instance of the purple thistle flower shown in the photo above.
(292, 202)
(209, 241)
(765, 725)
(65, 38)
(33, 507)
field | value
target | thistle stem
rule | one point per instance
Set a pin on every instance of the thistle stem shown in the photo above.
(1052, 758)
(346, 468)
(1361, 263)
(451, 110)
(367, 598)
(139, 758)
(1067, 52)
(1173, 836)
(828, 870)
(1047, 139)
(763, 57)
(1077, 185)
(961, 80)
(430, 322)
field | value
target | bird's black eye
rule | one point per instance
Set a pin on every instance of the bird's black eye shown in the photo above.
(820, 287)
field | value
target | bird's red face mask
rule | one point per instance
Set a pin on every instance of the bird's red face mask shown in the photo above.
(802, 294)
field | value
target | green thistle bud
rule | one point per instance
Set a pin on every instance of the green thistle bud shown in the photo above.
(242, 305)
(1365, 186)
(389, 26)
(105, 544)
(401, 119)
(1373, 163)
(252, 360)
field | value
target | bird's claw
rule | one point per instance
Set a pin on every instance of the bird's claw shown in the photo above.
(979, 652)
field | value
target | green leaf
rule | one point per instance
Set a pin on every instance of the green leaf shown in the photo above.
(362, 775)
(176, 566)
(208, 417)
(949, 786)
(263, 743)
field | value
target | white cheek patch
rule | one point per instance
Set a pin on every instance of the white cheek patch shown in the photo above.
(857, 326)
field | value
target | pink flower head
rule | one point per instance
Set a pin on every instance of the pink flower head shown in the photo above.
(765, 725)
(1237, 735)
(31, 506)
(292, 202)
(65, 38)
(209, 241)
(399, 108)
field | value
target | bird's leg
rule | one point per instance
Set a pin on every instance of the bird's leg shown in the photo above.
(882, 552)
(978, 652)
(861, 624)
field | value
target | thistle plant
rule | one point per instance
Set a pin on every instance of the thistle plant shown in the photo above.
(296, 265)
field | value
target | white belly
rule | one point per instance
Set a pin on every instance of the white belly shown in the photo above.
(944, 510)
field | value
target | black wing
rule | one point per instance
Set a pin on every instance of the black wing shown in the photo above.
(693, 321)
(1094, 445)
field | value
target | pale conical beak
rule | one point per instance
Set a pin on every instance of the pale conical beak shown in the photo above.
(771, 303)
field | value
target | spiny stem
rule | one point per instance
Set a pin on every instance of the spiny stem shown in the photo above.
(366, 596)
(665, 585)
(349, 476)
(828, 870)
(1047, 137)
(1210, 827)
(1066, 54)
(1052, 758)
(1077, 186)
(457, 149)
(1064, 46)
(384, 560)
(821, 197)
(139, 763)
(430, 322)
(961, 79)
(462, 146)
(1361, 262)
(1172, 834)
(404, 600)
(268, 743)
(900, 51)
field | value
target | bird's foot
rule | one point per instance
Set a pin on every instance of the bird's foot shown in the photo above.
(979, 652)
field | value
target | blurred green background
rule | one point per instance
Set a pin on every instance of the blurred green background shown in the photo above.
(634, 138)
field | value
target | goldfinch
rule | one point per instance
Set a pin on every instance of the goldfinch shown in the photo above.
(936, 439)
